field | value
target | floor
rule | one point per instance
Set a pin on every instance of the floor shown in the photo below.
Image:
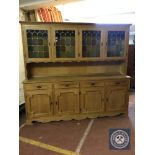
(85, 137)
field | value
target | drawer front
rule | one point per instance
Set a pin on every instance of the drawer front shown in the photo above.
(117, 82)
(37, 86)
(67, 85)
(92, 84)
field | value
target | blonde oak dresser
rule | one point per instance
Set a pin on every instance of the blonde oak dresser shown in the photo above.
(75, 70)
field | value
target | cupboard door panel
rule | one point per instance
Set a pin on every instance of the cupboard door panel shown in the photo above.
(117, 98)
(67, 101)
(92, 100)
(39, 103)
(91, 45)
(37, 43)
(65, 43)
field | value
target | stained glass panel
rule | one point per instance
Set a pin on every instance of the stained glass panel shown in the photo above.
(91, 43)
(65, 43)
(37, 41)
(116, 43)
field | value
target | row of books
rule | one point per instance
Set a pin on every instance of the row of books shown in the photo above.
(48, 14)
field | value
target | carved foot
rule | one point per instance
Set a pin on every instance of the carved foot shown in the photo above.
(29, 122)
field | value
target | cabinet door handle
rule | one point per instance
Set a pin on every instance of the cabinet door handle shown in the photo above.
(117, 82)
(38, 86)
(93, 84)
(107, 99)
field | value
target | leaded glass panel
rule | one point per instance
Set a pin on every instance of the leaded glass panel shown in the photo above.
(91, 43)
(37, 41)
(65, 43)
(116, 43)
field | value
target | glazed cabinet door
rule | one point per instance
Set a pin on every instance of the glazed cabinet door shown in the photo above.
(116, 98)
(92, 100)
(65, 43)
(116, 44)
(91, 43)
(39, 103)
(67, 101)
(36, 42)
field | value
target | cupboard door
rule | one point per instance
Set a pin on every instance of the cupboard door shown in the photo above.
(67, 101)
(91, 44)
(116, 44)
(37, 43)
(92, 100)
(117, 98)
(65, 43)
(39, 103)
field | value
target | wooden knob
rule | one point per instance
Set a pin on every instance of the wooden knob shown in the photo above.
(38, 86)
(117, 82)
(92, 84)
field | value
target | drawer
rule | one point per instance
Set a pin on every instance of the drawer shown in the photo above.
(92, 84)
(37, 86)
(67, 85)
(117, 82)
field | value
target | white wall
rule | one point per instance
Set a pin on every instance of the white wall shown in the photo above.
(21, 69)
(98, 11)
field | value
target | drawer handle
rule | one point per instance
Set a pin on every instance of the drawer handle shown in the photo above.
(92, 84)
(67, 85)
(117, 83)
(38, 86)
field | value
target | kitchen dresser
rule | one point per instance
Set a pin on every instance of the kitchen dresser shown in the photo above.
(75, 70)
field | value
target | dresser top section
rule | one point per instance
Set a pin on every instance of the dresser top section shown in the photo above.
(75, 23)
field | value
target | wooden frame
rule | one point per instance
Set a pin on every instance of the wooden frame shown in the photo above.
(102, 44)
(124, 57)
(25, 44)
(87, 99)
(54, 44)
